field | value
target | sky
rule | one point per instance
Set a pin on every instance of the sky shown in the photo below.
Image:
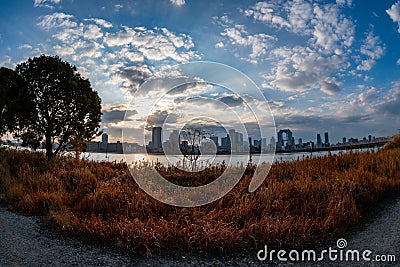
(321, 65)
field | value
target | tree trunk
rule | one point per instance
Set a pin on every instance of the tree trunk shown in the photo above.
(49, 146)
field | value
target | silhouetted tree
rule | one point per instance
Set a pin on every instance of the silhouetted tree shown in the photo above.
(65, 108)
(13, 96)
(193, 136)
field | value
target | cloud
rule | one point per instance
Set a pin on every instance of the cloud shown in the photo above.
(159, 117)
(116, 113)
(56, 20)
(301, 69)
(266, 12)
(231, 101)
(373, 49)
(394, 13)
(178, 2)
(158, 44)
(236, 35)
(390, 104)
(46, 3)
(330, 88)
(118, 7)
(132, 77)
(101, 22)
(325, 52)
(92, 32)
(118, 58)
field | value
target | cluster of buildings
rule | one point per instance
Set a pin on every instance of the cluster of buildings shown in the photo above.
(233, 142)
(289, 144)
(105, 147)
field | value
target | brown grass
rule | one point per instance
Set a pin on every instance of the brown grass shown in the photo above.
(300, 203)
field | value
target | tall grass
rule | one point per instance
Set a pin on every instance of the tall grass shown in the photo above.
(300, 203)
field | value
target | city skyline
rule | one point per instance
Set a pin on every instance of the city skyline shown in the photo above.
(173, 144)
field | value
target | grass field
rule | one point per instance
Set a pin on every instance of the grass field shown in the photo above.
(301, 203)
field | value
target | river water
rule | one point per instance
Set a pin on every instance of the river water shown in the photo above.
(231, 160)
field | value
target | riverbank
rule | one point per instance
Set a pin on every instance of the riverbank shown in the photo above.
(301, 203)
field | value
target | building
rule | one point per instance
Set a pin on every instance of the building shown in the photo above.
(104, 138)
(289, 138)
(225, 144)
(233, 137)
(215, 140)
(319, 141)
(272, 144)
(264, 146)
(326, 137)
(156, 139)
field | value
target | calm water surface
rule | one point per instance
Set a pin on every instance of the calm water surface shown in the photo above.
(205, 160)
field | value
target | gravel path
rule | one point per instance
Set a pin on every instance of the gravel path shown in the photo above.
(25, 242)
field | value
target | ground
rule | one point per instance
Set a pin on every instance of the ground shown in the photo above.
(26, 242)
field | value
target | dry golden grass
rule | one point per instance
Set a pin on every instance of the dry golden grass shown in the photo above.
(300, 203)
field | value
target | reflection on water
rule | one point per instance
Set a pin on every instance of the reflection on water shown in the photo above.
(210, 160)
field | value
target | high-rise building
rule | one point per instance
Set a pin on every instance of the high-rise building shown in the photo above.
(272, 144)
(239, 139)
(104, 138)
(264, 144)
(156, 138)
(319, 141)
(173, 143)
(215, 140)
(225, 144)
(233, 137)
(326, 137)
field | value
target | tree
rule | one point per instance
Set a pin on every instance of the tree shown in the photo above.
(190, 148)
(5, 90)
(65, 109)
(13, 96)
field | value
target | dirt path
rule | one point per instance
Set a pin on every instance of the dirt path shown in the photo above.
(24, 242)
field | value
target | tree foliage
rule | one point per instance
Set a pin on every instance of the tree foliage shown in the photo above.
(63, 107)
(12, 95)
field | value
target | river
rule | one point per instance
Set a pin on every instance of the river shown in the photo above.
(207, 159)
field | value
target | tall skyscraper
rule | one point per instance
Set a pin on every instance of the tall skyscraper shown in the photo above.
(174, 142)
(232, 135)
(226, 144)
(319, 141)
(104, 138)
(156, 138)
(326, 135)
(272, 144)
(263, 144)
(239, 139)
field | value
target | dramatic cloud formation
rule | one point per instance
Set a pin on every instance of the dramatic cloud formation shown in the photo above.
(320, 64)
(124, 53)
